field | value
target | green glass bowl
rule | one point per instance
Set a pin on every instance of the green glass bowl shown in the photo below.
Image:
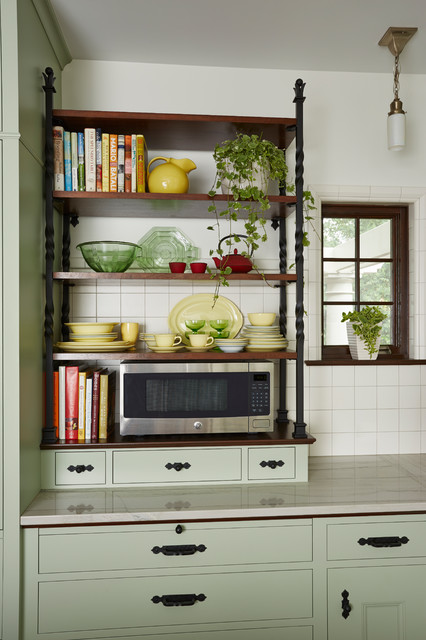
(109, 255)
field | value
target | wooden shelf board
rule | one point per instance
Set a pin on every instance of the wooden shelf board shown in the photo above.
(179, 356)
(137, 275)
(282, 435)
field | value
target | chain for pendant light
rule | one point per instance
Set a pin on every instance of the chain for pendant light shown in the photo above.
(396, 72)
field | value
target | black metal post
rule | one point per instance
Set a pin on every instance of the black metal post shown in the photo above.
(282, 415)
(299, 424)
(49, 431)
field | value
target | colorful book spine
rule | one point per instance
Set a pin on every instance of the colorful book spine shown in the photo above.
(58, 159)
(105, 162)
(103, 407)
(95, 405)
(88, 417)
(140, 163)
(71, 403)
(56, 402)
(133, 183)
(80, 156)
(113, 161)
(82, 375)
(128, 163)
(120, 163)
(98, 160)
(67, 161)
(61, 426)
(90, 158)
(74, 162)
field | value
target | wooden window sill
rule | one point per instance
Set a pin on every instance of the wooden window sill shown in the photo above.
(357, 363)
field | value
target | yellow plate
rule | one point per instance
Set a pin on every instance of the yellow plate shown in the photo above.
(165, 349)
(200, 307)
(84, 347)
(253, 349)
(199, 349)
(91, 327)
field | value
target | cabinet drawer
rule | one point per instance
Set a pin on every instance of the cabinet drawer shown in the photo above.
(198, 545)
(266, 463)
(79, 467)
(127, 602)
(354, 541)
(176, 465)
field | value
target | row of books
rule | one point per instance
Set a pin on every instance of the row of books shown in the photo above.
(91, 160)
(83, 403)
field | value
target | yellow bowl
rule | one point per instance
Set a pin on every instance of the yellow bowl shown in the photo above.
(90, 328)
(261, 319)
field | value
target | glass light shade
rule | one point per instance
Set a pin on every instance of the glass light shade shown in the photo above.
(396, 131)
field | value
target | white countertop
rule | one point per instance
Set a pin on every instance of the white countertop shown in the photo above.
(340, 485)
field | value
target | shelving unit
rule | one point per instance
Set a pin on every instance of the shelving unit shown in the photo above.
(172, 131)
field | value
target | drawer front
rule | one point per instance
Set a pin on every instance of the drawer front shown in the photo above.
(79, 467)
(371, 540)
(88, 605)
(197, 546)
(267, 463)
(176, 465)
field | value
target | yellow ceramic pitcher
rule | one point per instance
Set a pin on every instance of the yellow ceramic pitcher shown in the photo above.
(171, 176)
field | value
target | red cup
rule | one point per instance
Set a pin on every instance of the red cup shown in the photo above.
(198, 267)
(177, 267)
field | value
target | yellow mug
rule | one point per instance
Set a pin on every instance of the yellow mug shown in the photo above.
(129, 331)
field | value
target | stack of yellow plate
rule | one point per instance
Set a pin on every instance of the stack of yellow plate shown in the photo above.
(93, 337)
(262, 338)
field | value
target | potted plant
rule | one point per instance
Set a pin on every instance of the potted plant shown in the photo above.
(364, 329)
(244, 167)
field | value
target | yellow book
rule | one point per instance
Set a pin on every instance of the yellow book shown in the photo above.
(105, 162)
(141, 156)
(103, 406)
(113, 161)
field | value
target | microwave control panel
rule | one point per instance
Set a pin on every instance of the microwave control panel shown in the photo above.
(260, 394)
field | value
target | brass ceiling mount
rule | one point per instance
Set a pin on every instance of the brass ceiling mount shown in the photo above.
(396, 38)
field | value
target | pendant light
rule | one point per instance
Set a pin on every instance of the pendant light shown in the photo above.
(395, 39)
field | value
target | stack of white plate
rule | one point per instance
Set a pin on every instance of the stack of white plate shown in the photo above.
(264, 338)
(231, 345)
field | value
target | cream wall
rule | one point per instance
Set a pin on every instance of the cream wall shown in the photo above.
(351, 410)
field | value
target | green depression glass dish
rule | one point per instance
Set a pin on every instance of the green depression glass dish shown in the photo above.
(109, 255)
(162, 245)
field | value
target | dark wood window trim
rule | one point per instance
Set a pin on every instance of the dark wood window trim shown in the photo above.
(399, 215)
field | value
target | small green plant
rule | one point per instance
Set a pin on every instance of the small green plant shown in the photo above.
(367, 325)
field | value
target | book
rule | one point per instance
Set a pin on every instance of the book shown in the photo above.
(71, 403)
(106, 404)
(82, 375)
(61, 411)
(80, 159)
(56, 402)
(90, 158)
(105, 162)
(113, 161)
(141, 156)
(74, 162)
(94, 433)
(88, 417)
(58, 158)
(133, 181)
(98, 159)
(120, 163)
(128, 163)
(67, 160)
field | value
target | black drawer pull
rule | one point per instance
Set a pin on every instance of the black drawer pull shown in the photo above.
(80, 468)
(384, 541)
(179, 549)
(179, 600)
(178, 466)
(346, 607)
(272, 464)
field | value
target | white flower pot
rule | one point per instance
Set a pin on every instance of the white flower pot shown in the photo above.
(357, 346)
(260, 180)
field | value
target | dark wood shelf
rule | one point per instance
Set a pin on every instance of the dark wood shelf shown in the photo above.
(157, 205)
(144, 275)
(184, 356)
(282, 435)
(180, 131)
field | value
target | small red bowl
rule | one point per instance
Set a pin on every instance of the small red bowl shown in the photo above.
(198, 267)
(177, 267)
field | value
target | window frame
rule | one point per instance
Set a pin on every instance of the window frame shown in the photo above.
(400, 251)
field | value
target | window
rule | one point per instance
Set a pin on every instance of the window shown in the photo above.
(364, 262)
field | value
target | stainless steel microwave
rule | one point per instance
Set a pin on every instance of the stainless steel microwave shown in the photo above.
(196, 397)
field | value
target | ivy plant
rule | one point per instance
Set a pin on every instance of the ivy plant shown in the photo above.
(367, 324)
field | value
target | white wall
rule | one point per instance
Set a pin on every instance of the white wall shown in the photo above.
(351, 410)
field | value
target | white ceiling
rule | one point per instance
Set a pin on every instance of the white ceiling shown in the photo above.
(319, 35)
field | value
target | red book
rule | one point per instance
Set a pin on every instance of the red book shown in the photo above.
(56, 402)
(127, 163)
(95, 404)
(71, 403)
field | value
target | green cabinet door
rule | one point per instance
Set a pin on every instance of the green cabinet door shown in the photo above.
(383, 603)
